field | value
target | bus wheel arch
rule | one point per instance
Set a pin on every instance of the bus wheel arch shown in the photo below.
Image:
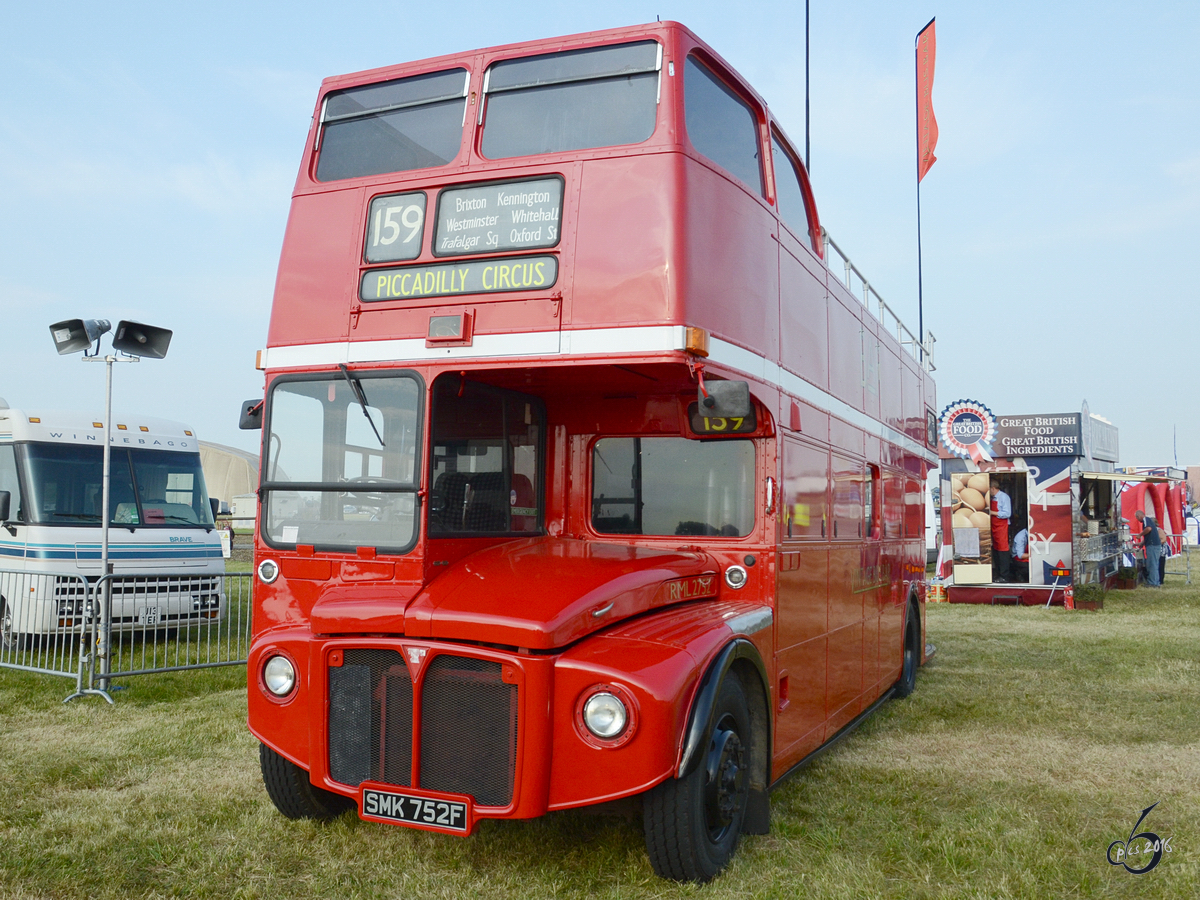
(692, 822)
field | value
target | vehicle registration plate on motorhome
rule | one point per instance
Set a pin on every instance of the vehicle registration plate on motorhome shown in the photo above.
(148, 615)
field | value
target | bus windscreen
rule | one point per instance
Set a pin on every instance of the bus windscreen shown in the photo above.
(341, 456)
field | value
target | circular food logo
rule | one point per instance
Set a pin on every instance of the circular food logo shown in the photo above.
(968, 429)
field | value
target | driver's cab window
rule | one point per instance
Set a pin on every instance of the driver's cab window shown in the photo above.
(9, 482)
(486, 460)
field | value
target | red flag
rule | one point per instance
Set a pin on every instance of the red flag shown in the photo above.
(927, 130)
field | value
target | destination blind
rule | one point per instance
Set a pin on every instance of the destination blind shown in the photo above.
(476, 276)
(516, 215)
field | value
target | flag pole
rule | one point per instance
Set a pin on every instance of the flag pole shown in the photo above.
(920, 278)
(807, 147)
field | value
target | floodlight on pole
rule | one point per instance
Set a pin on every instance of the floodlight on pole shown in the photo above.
(131, 341)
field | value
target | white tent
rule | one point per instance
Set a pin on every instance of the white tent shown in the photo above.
(228, 472)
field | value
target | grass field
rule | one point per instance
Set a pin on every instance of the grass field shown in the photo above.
(1034, 740)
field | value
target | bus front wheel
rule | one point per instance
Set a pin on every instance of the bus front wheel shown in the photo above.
(692, 824)
(293, 794)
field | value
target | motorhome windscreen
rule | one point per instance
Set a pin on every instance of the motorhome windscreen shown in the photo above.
(575, 100)
(393, 126)
(147, 488)
(673, 486)
(340, 473)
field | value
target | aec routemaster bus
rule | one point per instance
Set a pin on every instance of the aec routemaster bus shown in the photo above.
(582, 479)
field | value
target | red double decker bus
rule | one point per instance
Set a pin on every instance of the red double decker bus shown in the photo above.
(582, 479)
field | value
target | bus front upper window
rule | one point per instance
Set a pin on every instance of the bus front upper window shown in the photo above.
(673, 486)
(394, 126)
(575, 100)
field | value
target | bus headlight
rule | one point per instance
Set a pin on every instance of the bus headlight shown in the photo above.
(279, 676)
(605, 715)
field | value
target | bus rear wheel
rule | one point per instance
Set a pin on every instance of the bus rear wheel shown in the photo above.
(291, 791)
(692, 824)
(912, 655)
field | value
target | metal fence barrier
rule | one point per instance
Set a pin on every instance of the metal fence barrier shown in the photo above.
(1179, 565)
(122, 625)
(35, 635)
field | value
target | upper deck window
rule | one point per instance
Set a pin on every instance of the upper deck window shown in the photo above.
(393, 126)
(576, 100)
(721, 124)
(792, 208)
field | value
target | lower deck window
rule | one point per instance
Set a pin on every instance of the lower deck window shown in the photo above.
(673, 486)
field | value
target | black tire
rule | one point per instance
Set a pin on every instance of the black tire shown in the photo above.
(293, 794)
(10, 640)
(912, 655)
(692, 824)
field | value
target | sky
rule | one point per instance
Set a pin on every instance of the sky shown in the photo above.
(148, 152)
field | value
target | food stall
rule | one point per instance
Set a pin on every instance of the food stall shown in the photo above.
(1058, 473)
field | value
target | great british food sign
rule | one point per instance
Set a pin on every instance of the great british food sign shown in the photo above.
(968, 429)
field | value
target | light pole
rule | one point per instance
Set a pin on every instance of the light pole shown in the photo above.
(132, 340)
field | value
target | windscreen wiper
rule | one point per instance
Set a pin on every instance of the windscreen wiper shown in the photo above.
(361, 398)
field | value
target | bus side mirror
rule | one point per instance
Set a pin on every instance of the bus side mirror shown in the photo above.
(251, 415)
(725, 400)
(215, 504)
(5, 503)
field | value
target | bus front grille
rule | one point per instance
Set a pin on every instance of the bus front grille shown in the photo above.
(468, 736)
(468, 730)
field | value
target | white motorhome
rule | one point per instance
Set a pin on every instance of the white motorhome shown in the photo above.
(161, 526)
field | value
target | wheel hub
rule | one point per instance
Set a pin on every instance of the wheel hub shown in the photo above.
(726, 778)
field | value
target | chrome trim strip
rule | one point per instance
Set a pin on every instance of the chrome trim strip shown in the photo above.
(752, 622)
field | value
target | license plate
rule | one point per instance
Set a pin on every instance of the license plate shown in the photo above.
(417, 812)
(148, 615)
